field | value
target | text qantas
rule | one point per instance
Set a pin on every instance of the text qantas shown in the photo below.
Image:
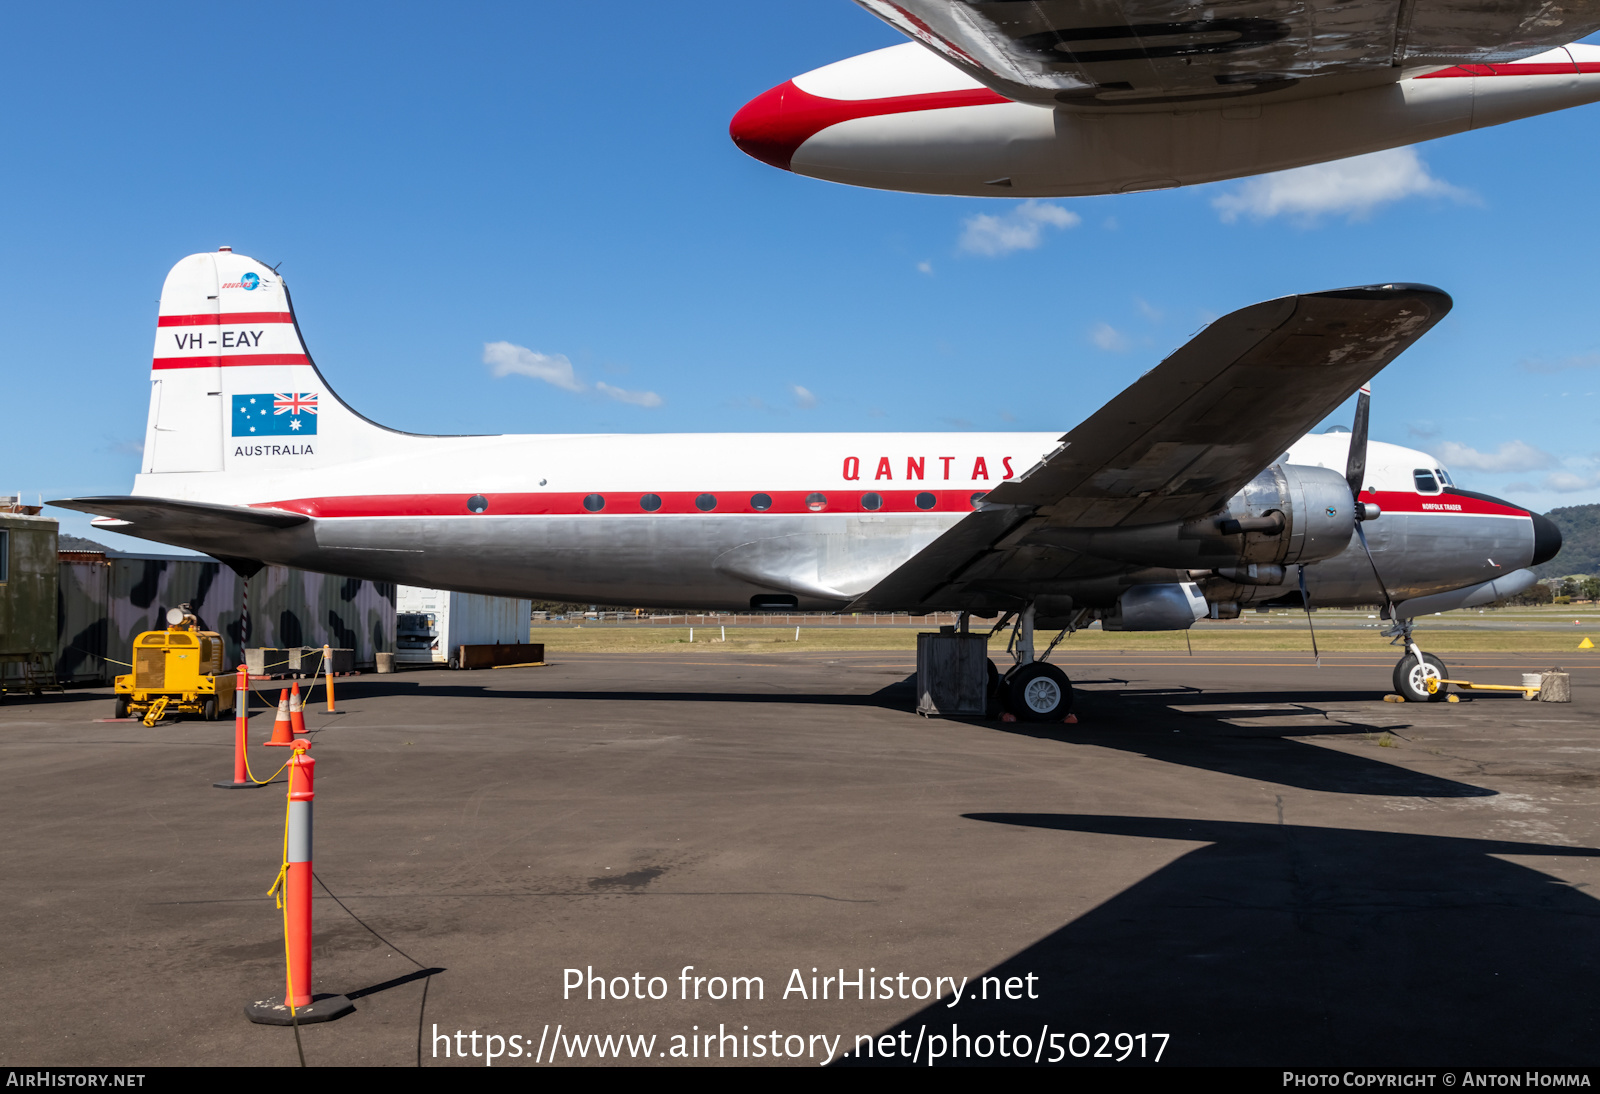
(923, 468)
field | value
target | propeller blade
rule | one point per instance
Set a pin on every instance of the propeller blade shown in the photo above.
(1355, 467)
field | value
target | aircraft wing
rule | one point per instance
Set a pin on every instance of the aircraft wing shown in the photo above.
(1178, 443)
(1107, 52)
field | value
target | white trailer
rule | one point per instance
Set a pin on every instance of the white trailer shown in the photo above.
(431, 625)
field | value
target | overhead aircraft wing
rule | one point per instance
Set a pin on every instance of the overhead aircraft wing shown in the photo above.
(226, 531)
(1107, 52)
(1182, 440)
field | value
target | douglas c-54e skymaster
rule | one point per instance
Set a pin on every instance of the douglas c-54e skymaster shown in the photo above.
(1193, 493)
(1056, 98)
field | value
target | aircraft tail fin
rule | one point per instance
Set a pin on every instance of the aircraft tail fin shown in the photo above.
(231, 381)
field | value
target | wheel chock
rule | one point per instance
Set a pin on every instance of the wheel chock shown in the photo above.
(1394, 698)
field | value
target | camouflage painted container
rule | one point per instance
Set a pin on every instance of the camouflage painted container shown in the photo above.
(287, 608)
(27, 598)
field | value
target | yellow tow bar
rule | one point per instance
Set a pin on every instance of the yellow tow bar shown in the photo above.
(157, 709)
(1433, 686)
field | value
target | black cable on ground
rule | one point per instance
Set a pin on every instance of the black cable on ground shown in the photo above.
(422, 1011)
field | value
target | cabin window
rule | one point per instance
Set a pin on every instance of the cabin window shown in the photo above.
(650, 502)
(477, 503)
(594, 503)
(872, 502)
(761, 502)
(1426, 483)
(705, 502)
(816, 502)
(926, 500)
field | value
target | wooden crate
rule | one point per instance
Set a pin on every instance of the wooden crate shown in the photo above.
(504, 653)
(952, 673)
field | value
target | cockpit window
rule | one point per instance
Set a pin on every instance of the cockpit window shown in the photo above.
(1444, 476)
(1426, 483)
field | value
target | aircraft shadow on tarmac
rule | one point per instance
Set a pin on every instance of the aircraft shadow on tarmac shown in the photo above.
(1128, 721)
(1138, 723)
(1289, 945)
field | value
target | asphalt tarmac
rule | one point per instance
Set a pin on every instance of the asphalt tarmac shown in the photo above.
(1254, 857)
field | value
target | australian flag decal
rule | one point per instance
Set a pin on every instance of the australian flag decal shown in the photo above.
(285, 414)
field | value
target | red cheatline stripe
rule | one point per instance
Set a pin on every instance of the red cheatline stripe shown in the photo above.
(1540, 69)
(682, 502)
(231, 361)
(619, 503)
(1399, 501)
(225, 317)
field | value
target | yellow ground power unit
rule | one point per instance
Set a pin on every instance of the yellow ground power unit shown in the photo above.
(178, 669)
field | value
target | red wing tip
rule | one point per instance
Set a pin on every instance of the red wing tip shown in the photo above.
(759, 130)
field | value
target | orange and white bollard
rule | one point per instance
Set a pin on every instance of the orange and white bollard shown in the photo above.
(241, 717)
(282, 728)
(327, 667)
(298, 1005)
(297, 714)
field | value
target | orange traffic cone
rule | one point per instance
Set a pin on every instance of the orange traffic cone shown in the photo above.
(282, 728)
(297, 715)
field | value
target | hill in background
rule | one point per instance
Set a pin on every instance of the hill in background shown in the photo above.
(1580, 542)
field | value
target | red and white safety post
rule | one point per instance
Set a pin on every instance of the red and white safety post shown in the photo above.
(241, 716)
(298, 1005)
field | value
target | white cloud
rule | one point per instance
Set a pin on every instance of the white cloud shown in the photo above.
(510, 359)
(1147, 309)
(925, 267)
(802, 397)
(1108, 337)
(632, 398)
(1511, 456)
(1022, 229)
(506, 359)
(1352, 187)
(1566, 482)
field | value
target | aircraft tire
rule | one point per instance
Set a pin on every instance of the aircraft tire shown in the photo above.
(1038, 692)
(1410, 680)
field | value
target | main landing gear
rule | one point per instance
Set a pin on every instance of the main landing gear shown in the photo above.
(1034, 691)
(1417, 676)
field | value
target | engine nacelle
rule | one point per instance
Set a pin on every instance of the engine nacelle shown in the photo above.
(1173, 607)
(1288, 514)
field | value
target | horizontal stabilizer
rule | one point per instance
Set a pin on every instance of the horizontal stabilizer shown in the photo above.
(228, 532)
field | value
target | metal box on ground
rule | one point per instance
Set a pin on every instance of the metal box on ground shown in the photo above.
(106, 606)
(27, 600)
(432, 624)
(503, 653)
(952, 673)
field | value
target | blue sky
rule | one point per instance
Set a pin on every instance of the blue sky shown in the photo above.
(559, 178)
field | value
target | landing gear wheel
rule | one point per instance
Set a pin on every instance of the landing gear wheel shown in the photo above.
(1411, 679)
(1039, 692)
(121, 708)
